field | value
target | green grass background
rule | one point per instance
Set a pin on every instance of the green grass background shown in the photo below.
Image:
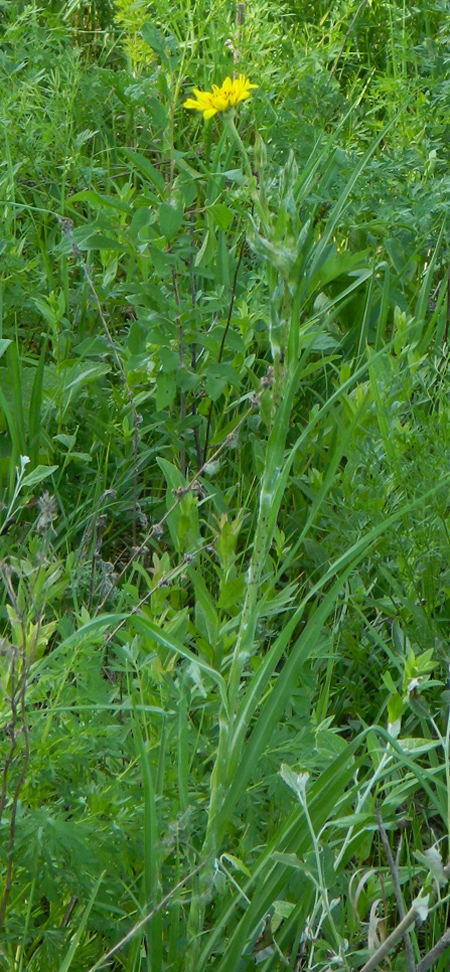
(224, 482)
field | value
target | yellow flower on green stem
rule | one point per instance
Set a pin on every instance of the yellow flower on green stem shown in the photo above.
(219, 99)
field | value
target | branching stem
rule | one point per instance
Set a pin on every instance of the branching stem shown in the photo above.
(67, 228)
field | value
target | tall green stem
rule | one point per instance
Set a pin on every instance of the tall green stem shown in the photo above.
(235, 137)
(283, 388)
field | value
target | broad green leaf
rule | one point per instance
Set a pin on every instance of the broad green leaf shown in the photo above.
(153, 632)
(222, 215)
(170, 218)
(38, 475)
(166, 389)
(144, 167)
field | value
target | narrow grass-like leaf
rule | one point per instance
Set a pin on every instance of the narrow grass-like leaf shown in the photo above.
(151, 855)
(13, 362)
(64, 966)
(268, 879)
(338, 208)
(161, 637)
(34, 411)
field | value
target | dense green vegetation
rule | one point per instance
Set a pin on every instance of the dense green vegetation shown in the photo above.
(224, 481)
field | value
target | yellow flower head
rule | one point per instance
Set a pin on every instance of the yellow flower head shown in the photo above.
(219, 99)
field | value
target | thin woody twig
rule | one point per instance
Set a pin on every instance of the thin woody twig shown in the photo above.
(164, 582)
(435, 953)
(361, 5)
(222, 343)
(198, 450)
(391, 940)
(67, 228)
(181, 367)
(410, 963)
(18, 726)
(192, 486)
(68, 912)
(240, 17)
(140, 924)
